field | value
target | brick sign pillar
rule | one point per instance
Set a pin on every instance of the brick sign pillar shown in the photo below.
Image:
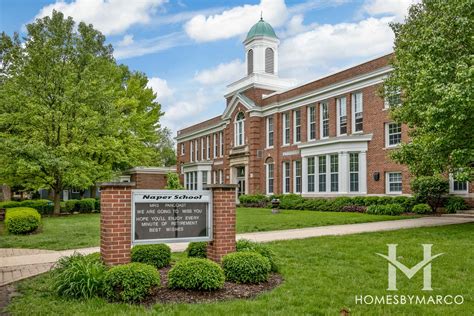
(115, 222)
(223, 221)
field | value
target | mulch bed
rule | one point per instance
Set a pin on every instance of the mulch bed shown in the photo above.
(229, 291)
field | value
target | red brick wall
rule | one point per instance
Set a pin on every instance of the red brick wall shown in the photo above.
(115, 223)
(223, 223)
(149, 180)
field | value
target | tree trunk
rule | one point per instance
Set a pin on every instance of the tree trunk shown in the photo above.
(7, 192)
(93, 191)
(57, 202)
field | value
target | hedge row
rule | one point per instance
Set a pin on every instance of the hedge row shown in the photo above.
(42, 206)
(345, 204)
(45, 207)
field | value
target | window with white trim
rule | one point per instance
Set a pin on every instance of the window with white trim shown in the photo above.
(322, 173)
(196, 151)
(297, 126)
(312, 123)
(286, 128)
(208, 143)
(270, 177)
(191, 180)
(392, 98)
(191, 150)
(214, 177)
(182, 149)
(394, 182)
(334, 169)
(341, 116)
(204, 178)
(221, 137)
(269, 61)
(286, 177)
(393, 134)
(357, 112)
(221, 176)
(353, 172)
(324, 121)
(457, 187)
(269, 132)
(239, 129)
(297, 168)
(203, 149)
(311, 174)
(216, 148)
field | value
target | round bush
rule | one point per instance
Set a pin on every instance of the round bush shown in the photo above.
(158, 255)
(130, 282)
(246, 267)
(264, 250)
(422, 208)
(79, 276)
(197, 249)
(196, 274)
(22, 220)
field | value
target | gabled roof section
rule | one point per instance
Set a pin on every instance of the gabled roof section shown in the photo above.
(238, 97)
(200, 126)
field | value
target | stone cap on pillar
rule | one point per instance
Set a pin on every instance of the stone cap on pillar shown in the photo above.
(221, 186)
(116, 184)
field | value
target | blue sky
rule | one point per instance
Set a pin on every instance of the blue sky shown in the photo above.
(191, 49)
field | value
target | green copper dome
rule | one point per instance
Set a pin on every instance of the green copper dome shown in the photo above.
(261, 28)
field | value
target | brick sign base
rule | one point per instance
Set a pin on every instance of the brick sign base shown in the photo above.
(116, 225)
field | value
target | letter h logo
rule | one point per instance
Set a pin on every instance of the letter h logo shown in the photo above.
(393, 264)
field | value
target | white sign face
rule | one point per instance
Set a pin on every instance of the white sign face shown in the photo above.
(165, 216)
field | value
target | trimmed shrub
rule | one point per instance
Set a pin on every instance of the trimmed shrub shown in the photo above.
(358, 200)
(196, 274)
(22, 220)
(354, 209)
(158, 255)
(422, 208)
(406, 202)
(130, 282)
(291, 202)
(314, 204)
(264, 250)
(79, 276)
(81, 206)
(430, 189)
(197, 249)
(256, 200)
(384, 200)
(389, 209)
(70, 206)
(455, 203)
(246, 267)
(9, 204)
(42, 206)
(339, 202)
(371, 200)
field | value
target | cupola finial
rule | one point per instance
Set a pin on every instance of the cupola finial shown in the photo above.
(261, 15)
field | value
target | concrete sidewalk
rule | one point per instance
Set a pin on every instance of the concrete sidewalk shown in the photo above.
(17, 264)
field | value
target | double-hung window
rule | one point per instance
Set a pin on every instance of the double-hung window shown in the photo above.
(203, 149)
(269, 132)
(297, 126)
(182, 149)
(286, 128)
(322, 173)
(208, 143)
(357, 113)
(393, 134)
(191, 151)
(239, 129)
(341, 116)
(270, 178)
(221, 176)
(354, 172)
(312, 122)
(394, 182)
(286, 177)
(311, 174)
(196, 152)
(324, 120)
(297, 176)
(221, 137)
(334, 163)
(216, 148)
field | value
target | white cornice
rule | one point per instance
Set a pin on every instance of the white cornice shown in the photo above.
(336, 140)
(209, 129)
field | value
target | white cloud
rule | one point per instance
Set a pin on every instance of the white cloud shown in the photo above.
(151, 45)
(329, 46)
(225, 72)
(397, 8)
(235, 21)
(108, 16)
(161, 88)
(127, 40)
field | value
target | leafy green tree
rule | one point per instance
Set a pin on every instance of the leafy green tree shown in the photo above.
(172, 182)
(69, 115)
(166, 148)
(433, 68)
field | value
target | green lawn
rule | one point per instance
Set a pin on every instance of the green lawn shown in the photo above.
(79, 231)
(322, 276)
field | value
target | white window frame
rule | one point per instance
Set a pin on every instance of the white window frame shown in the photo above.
(295, 177)
(239, 131)
(332, 173)
(311, 120)
(286, 169)
(208, 143)
(196, 152)
(339, 114)
(221, 176)
(322, 120)
(191, 150)
(386, 102)
(387, 135)
(312, 174)
(325, 174)
(353, 112)
(182, 149)
(221, 137)
(272, 131)
(457, 192)
(267, 178)
(286, 128)
(296, 127)
(203, 149)
(387, 182)
(357, 172)
(216, 149)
